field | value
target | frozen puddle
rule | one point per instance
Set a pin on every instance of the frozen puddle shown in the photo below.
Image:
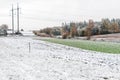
(48, 61)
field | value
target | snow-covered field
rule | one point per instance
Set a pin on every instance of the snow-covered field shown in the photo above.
(49, 61)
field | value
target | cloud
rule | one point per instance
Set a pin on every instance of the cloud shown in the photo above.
(53, 12)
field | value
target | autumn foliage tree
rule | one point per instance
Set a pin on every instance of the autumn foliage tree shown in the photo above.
(105, 26)
(89, 28)
(65, 31)
(73, 29)
(115, 26)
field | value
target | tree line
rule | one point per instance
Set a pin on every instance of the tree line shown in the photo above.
(77, 29)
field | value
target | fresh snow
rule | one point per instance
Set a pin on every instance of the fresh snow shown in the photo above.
(49, 61)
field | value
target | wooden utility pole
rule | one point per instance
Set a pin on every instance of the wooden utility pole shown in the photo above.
(12, 20)
(18, 17)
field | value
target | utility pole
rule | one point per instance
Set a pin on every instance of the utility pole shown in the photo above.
(17, 10)
(18, 18)
(12, 20)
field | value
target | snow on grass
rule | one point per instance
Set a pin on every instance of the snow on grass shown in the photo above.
(49, 61)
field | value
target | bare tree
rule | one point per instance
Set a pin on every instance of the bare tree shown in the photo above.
(4, 27)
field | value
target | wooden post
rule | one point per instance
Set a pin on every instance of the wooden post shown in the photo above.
(29, 47)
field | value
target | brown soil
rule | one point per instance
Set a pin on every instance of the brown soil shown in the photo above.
(108, 37)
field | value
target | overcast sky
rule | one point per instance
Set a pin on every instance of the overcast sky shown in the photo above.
(36, 14)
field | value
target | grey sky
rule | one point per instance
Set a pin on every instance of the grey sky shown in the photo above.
(37, 14)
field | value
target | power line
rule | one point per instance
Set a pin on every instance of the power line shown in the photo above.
(43, 19)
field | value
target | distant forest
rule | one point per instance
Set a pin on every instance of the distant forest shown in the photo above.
(72, 29)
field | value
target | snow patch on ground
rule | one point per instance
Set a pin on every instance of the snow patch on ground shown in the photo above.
(49, 61)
